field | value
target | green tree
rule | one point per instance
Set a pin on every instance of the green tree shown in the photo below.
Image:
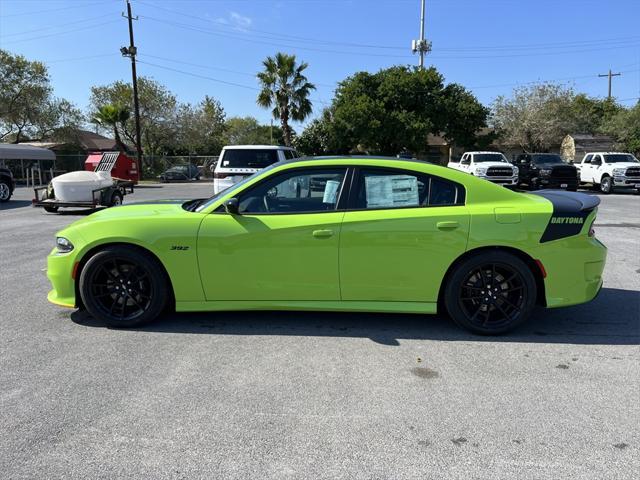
(114, 117)
(394, 110)
(248, 131)
(158, 112)
(625, 127)
(285, 88)
(28, 108)
(200, 128)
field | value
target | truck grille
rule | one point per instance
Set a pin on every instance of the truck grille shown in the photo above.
(499, 172)
(633, 172)
(567, 172)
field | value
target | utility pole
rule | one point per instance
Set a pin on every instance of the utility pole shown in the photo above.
(271, 131)
(610, 75)
(131, 52)
(421, 46)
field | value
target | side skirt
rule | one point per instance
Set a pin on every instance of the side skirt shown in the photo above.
(319, 306)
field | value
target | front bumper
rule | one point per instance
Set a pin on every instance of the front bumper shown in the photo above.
(60, 269)
(626, 182)
(500, 180)
(551, 182)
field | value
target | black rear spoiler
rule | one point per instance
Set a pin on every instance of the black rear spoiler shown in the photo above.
(570, 210)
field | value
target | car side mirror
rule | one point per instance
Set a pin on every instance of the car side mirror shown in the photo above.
(231, 206)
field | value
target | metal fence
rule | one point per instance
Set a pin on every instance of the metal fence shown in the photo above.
(40, 172)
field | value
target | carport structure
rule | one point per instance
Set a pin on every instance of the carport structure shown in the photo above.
(32, 155)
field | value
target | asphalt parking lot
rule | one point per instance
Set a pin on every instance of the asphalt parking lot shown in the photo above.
(315, 395)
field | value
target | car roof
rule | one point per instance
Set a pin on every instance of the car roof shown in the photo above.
(482, 151)
(608, 153)
(257, 147)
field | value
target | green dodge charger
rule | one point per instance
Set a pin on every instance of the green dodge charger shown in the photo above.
(358, 234)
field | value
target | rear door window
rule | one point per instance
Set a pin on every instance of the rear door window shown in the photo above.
(389, 188)
(289, 154)
(588, 158)
(249, 158)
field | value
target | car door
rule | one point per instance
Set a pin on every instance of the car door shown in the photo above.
(586, 169)
(401, 233)
(596, 166)
(283, 244)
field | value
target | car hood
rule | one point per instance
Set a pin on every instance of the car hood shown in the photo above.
(623, 165)
(135, 211)
(551, 165)
(493, 164)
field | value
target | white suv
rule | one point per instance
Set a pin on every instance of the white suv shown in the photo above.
(492, 166)
(237, 162)
(606, 170)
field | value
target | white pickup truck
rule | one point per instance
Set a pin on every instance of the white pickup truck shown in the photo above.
(609, 170)
(492, 166)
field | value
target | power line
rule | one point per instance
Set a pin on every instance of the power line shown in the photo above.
(88, 27)
(50, 27)
(210, 67)
(36, 12)
(217, 80)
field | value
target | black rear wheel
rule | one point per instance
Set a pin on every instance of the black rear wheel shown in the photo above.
(123, 287)
(5, 190)
(491, 293)
(50, 208)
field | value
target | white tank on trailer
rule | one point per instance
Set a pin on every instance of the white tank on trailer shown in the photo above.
(78, 186)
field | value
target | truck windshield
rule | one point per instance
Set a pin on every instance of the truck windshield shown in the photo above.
(620, 158)
(551, 158)
(489, 157)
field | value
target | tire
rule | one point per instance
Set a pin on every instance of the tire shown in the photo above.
(606, 185)
(5, 191)
(116, 199)
(509, 304)
(51, 209)
(110, 272)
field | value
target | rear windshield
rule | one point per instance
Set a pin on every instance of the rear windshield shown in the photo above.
(547, 158)
(619, 158)
(489, 157)
(248, 158)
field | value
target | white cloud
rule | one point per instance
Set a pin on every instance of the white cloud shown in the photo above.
(240, 21)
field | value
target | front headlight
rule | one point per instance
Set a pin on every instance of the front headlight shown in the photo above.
(619, 171)
(63, 245)
(481, 171)
(545, 172)
(516, 170)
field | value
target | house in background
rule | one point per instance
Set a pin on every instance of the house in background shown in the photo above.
(72, 152)
(574, 146)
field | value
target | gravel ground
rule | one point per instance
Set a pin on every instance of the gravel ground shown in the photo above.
(315, 395)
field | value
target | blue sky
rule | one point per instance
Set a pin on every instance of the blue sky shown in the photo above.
(214, 47)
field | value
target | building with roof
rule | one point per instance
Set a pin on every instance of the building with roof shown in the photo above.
(574, 146)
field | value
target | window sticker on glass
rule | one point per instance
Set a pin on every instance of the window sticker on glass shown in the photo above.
(392, 191)
(331, 191)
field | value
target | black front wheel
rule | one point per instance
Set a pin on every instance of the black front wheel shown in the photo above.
(5, 191)
(123, 287)
(491, 293)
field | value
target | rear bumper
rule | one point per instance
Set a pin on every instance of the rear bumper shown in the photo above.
(574, 267)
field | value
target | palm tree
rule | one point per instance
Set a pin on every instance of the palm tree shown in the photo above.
(286, 89)
(112, 115)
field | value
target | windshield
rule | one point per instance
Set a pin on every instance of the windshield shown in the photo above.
(551, 158)
(489, 157)
(235, 186)
(620, 158)
(250, 158)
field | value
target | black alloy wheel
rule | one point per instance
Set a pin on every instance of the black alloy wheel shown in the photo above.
(123, 287)
(491, 293)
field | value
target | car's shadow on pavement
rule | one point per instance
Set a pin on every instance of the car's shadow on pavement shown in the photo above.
(611, 319)
(11, 204)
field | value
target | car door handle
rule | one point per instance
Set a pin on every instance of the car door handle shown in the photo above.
(322, 233)
(448, 225)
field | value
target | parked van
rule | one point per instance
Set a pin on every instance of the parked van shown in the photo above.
(239, 161)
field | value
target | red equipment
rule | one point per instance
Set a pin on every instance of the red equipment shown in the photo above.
(117, 163)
